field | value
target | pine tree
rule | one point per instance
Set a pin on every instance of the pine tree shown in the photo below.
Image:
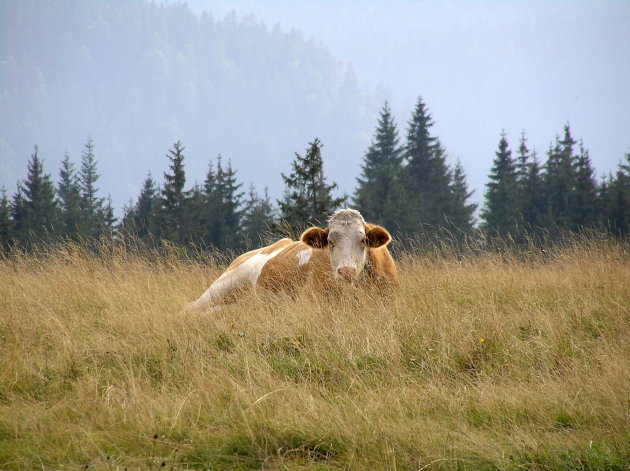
(378, 192)
(91, 203)
(461, 214)
(258, 216)
(173, 200)
(500, 212)
(69, 199)
(308, 198)
(6, 225)
(40, 208)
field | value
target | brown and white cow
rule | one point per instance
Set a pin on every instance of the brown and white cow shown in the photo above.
(348, 251)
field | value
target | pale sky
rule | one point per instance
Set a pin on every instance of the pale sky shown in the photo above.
(481, 67)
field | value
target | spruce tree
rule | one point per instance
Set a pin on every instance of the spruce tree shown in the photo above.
(500, 214)
(378, 192)
(623, 178)
(440, 198)
(91, 203)
(173, 198)
(427, 179)
(533, 206)
(230, 199)
(585, 201)
(258, 216)
(210, 218)
(6, 224)
(461, 214)
(40, 208)
(523, 168)
(222, 209)
(127, 224)
(69, 199)
(615, 200)
(308, 198)
(559, 184)
(106, 221)
(18, 216)
(147, 207)
(141, 219)
(419, 153)
(196, 207)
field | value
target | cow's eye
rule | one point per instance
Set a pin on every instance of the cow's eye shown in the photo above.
(364, 241)
(331, 244)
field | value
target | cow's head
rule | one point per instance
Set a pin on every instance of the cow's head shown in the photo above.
(348, 239)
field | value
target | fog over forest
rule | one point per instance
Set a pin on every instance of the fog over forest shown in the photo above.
(256, 81)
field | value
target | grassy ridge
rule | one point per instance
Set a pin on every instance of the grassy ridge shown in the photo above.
(484, 362)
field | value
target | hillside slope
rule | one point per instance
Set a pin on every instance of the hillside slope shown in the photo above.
(136, 77)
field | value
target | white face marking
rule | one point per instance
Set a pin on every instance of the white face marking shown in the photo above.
(346, 242)
(304, 256)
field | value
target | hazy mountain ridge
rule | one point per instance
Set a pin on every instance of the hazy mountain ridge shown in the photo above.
(137, 77)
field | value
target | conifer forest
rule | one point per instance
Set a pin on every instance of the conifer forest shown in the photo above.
(407, 183)
(184, 132)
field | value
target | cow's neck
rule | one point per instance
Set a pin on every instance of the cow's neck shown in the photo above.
(368, 263)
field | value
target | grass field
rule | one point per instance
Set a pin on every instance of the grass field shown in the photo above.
(481, 362)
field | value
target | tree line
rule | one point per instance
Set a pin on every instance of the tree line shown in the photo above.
(526, 197)
(410, 187)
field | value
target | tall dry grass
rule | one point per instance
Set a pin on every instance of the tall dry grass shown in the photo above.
(483, 362)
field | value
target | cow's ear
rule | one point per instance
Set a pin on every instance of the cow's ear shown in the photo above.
(315, 237)
(377, 236)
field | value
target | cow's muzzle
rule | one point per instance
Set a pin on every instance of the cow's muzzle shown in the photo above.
(347, 274)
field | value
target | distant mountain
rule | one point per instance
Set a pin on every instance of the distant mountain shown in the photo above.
(136, 77)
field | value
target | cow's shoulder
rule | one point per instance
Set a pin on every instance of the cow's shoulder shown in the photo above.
(292, 266)
(382, 265)
(270, 249)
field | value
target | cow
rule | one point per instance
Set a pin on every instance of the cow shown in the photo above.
(347, 252)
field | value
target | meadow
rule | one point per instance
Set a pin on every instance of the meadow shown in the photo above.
(484, 361)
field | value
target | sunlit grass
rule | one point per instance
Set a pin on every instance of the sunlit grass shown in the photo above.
(481, 362)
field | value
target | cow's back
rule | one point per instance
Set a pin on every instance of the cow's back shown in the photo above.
(267, 251)
(294, 266)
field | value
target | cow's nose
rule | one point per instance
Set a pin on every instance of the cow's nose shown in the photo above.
(347, 273)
